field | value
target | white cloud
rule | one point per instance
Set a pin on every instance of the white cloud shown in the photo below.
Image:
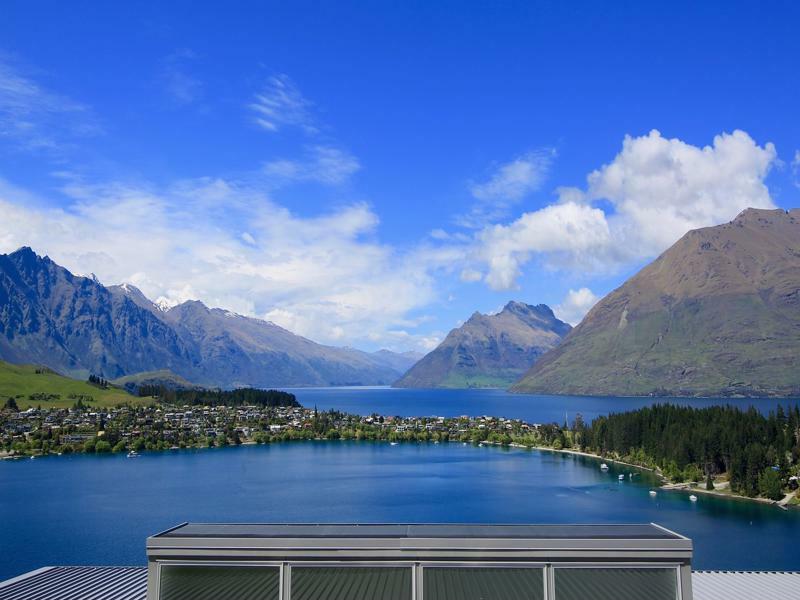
(280, 103)
(659, 189)
(325, 164)
(34, 118)
(470, 275)
(179, 83)
(575, 305)
(323, 276)
(516, 179)
(796, 167)
(403, 339)
(570, 233)
(570, 194)
(508, 184)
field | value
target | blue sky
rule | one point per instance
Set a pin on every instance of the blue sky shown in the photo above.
(370, 174)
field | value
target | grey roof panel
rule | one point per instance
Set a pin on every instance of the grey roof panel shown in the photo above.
(412, 531)
(78, 583)
(130, 583)
(745, 585)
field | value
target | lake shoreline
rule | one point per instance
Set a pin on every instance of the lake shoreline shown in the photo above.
(783, 504)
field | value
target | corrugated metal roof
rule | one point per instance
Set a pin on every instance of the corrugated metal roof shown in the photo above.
(634, 583)
(78, 583)
(130, 583)
(354, 583)
(465, 583)
(745, 585)
(212, 582)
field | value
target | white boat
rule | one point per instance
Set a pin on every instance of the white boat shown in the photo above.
(604, 467)
(621, 477)
(393, 443)
(133, 454)
(653, 493)
(693, 498)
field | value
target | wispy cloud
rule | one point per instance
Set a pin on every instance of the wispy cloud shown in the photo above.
(324, 164)
(36, 119)
(507, 185)
(796, 167)
(281, 104)
(324, 276)
(179, 83)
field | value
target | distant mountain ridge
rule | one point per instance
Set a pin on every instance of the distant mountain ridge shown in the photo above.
(718, 313)
(489, 350)
(77, 326)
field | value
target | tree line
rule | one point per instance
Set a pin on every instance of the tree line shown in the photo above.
(758, 452)
(206, 397)
(98, 381)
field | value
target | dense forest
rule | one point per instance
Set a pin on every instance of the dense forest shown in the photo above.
(758, 453)
(238, 397)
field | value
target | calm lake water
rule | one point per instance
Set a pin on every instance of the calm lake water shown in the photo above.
(498, 403)
(87, 509)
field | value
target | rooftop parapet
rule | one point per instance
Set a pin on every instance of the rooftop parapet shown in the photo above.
(418, 562)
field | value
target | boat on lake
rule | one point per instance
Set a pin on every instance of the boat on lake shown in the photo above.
(693, 498)
(621, 477)
(604, 467)
(652, 493)
(133, 454)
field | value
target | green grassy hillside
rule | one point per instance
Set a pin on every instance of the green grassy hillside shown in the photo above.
(30, 385)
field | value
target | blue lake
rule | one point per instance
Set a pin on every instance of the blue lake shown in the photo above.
(86, 509)
(498, 403)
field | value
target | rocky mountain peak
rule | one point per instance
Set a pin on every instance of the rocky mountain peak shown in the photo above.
(763, 215)
(77, 326)
(489, 350)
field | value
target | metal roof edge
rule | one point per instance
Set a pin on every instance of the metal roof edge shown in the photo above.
(24, 576)
(670, 531)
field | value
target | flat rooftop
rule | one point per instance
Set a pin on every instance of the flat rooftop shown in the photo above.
(647, 531)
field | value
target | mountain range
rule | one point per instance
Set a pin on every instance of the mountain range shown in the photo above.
(77, 326)
(717, 314)
(489, 350)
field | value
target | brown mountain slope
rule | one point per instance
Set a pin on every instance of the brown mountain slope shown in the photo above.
(718, 313)
(489, 350)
